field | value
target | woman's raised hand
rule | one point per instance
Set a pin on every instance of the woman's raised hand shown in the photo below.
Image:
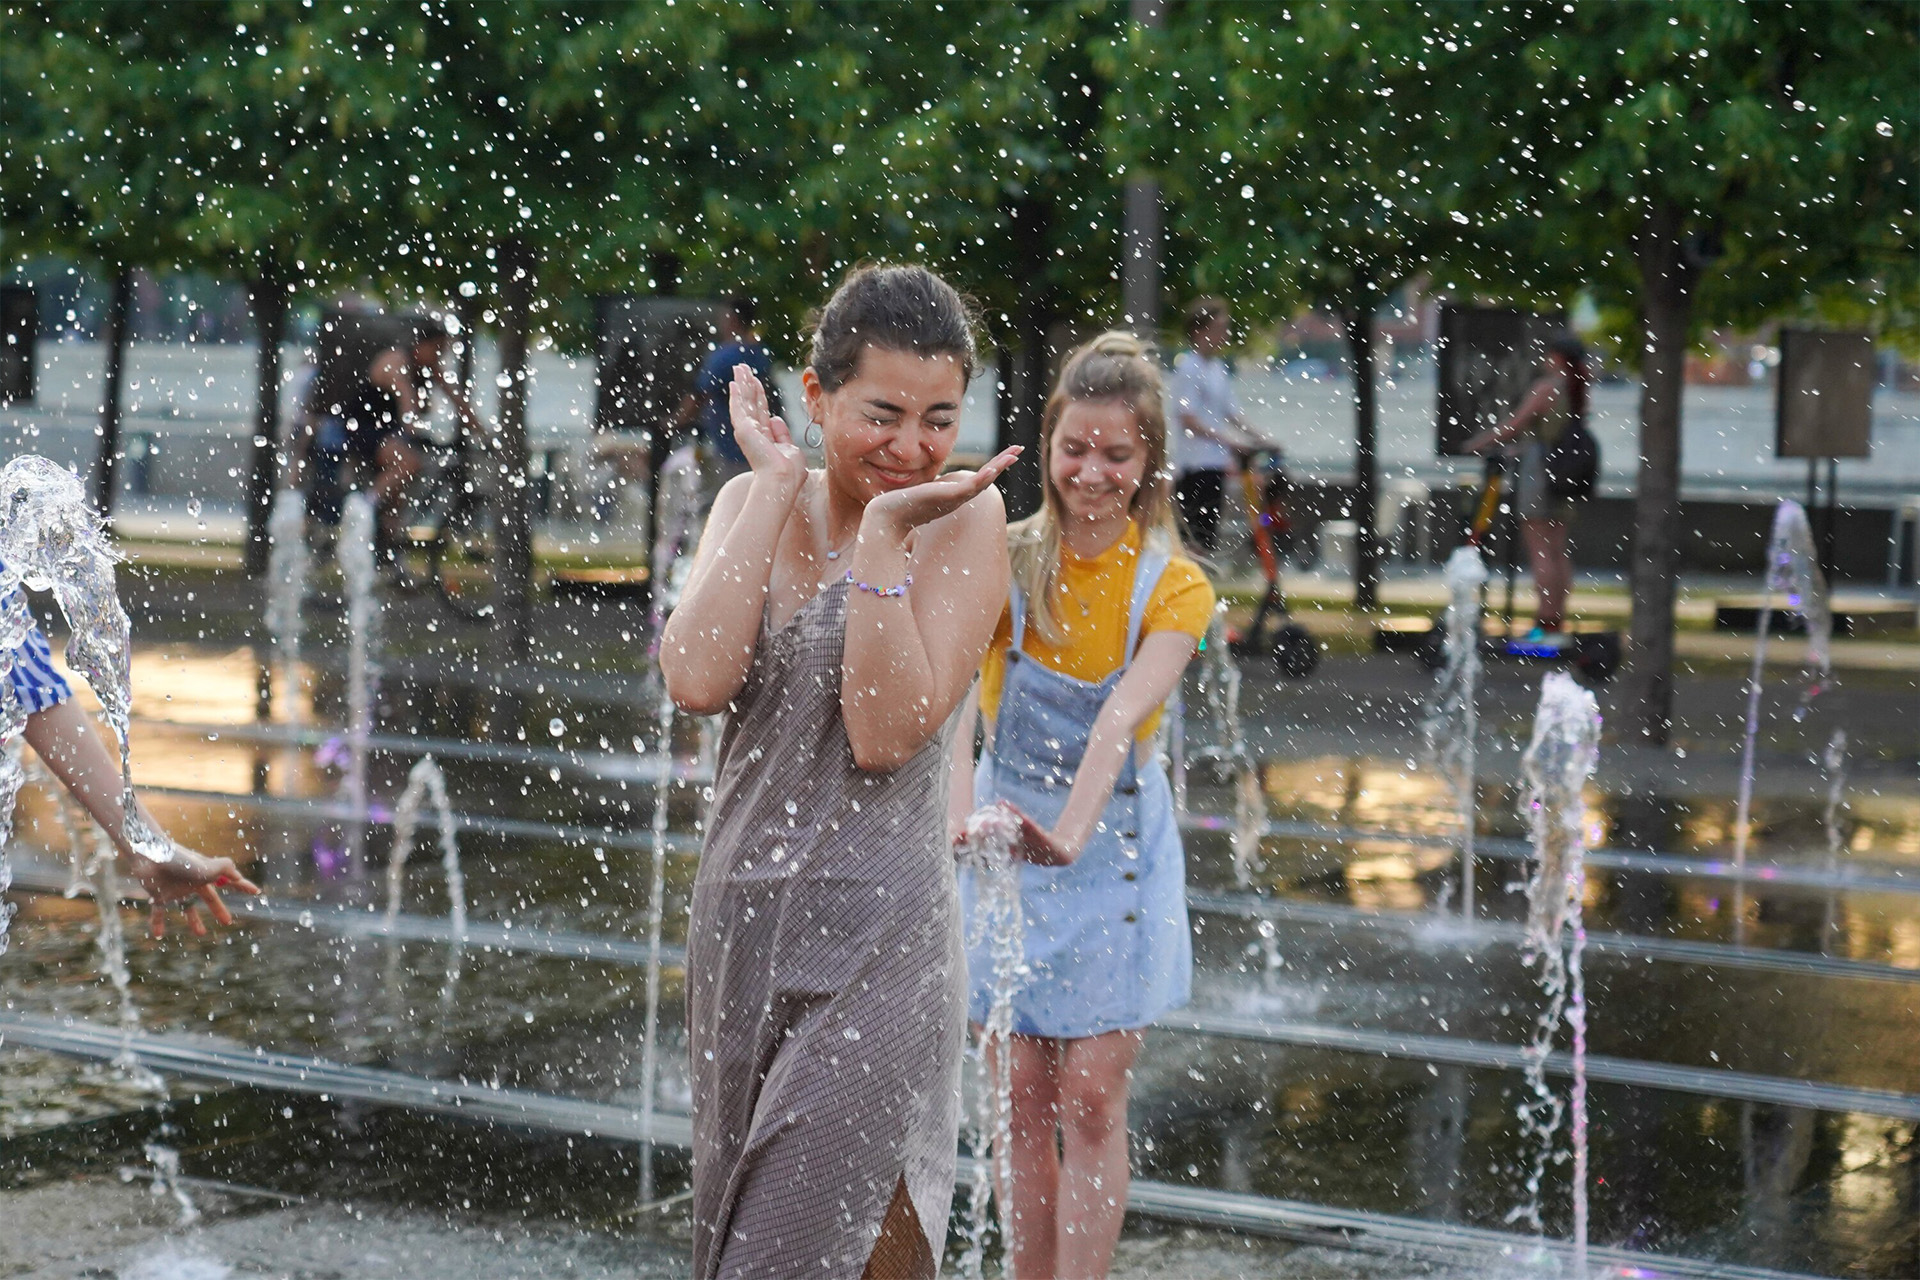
(762, 437)
(908, 509)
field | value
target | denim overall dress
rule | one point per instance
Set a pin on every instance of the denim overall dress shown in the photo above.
(1107, 941)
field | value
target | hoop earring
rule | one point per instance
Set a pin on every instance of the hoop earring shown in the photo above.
(812, 435)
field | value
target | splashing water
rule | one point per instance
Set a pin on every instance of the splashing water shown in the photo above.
(425, 781)
(1833, 762)
(1793, 573)
(656, 914)
(1451, 727)
(13, 722)
(166, 1181)
(52, 539)
(1220, 683)
(288, 566)
(1558, 762)
(355, 549)
(677, 527)
(997, 921)
(112, 941)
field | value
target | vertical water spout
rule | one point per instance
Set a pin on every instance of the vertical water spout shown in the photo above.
(1833, 763)
(1793, 573)
(998, 924)
(425, 782)
(656, 915)
(356, 553)
(1558, 763)
(1451, 726)
(288, 566)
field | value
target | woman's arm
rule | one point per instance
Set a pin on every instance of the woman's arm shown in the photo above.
(65, 740)
(707, 648)
(960, 767)
(1150, 680)
(1536, 403)
(909, 658)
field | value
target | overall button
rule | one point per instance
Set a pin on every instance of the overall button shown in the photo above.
(1131, 918)
(1129, 876)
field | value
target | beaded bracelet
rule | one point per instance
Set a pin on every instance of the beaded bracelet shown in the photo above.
(888, 592)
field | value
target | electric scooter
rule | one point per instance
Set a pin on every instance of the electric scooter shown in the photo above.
(1272, 632)
(1595, 654)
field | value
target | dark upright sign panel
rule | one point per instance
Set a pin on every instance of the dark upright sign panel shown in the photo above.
(19, 333)
(1489, 356)
(348, 344)
(1825, 404)
(651, 349)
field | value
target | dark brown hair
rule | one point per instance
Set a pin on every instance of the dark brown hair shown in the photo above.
(1202, 312)
(895, 308)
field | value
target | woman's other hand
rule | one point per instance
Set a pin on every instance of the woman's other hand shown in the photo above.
(905, 510)
(1040, 846)
(188, 875)
(763, 437)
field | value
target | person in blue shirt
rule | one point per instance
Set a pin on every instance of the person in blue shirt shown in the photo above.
(720, 456)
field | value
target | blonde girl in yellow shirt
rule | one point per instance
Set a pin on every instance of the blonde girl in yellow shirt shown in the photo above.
(1103, 616)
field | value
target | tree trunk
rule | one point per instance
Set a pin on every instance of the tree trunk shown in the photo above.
(1023, 386)
(105, 475)
(1366, 569)
(270, 321)
(513, 526)
(1666, 305)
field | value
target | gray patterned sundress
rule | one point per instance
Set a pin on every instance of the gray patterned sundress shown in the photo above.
(826, 979)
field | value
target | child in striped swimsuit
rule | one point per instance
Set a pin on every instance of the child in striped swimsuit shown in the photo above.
(64, 739)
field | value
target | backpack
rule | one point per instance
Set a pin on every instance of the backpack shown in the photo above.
(1572, 463)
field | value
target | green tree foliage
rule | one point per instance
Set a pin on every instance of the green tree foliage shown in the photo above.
(1709, 164)
(1318, 157)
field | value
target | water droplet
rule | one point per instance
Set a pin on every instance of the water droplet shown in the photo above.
(556, 726)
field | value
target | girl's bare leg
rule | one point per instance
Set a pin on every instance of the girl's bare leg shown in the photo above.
(1552, 569)
(1094, 1075)
(1036, 1154)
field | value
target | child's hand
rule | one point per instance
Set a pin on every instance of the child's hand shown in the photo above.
(188, 875)
(1039, 846)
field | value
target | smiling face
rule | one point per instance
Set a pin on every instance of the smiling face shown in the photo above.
(1097, 459)
(892, 424)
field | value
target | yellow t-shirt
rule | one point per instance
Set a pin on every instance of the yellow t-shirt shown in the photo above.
(1103, 586)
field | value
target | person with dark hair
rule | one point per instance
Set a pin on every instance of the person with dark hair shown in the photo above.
(721, 459)
(836, 617)
(1554, 405)
(1213, 435)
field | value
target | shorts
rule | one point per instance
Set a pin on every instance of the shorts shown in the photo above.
(1532, 499)
(36, 685)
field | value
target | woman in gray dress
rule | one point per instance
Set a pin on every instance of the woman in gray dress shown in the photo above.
(837, 617)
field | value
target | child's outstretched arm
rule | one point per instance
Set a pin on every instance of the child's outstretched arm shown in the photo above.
(65, 739)
(1150, 680)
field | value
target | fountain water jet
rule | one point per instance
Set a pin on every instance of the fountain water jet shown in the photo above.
(356, 553)
(656, 915)
(997, 922)
(51, 540)
(425, 781)
(1451, 726)
(1558, 762)
(1793, 571)
(1833, 762)
(288, 567)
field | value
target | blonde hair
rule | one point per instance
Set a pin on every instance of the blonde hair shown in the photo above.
(1116, 366)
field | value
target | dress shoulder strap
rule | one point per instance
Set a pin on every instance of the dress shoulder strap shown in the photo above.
(1152, 566)
(1017, 605)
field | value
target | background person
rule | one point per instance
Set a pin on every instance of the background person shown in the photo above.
(1102, 619)
(836, 617)
(720, 456)
(1212, 433)
(1556, 400)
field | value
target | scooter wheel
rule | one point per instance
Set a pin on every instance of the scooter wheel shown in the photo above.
(1296, 652)
(1596, 657)
(1432, 649)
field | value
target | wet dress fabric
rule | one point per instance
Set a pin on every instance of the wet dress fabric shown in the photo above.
(1107, 940)
(825, 979)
